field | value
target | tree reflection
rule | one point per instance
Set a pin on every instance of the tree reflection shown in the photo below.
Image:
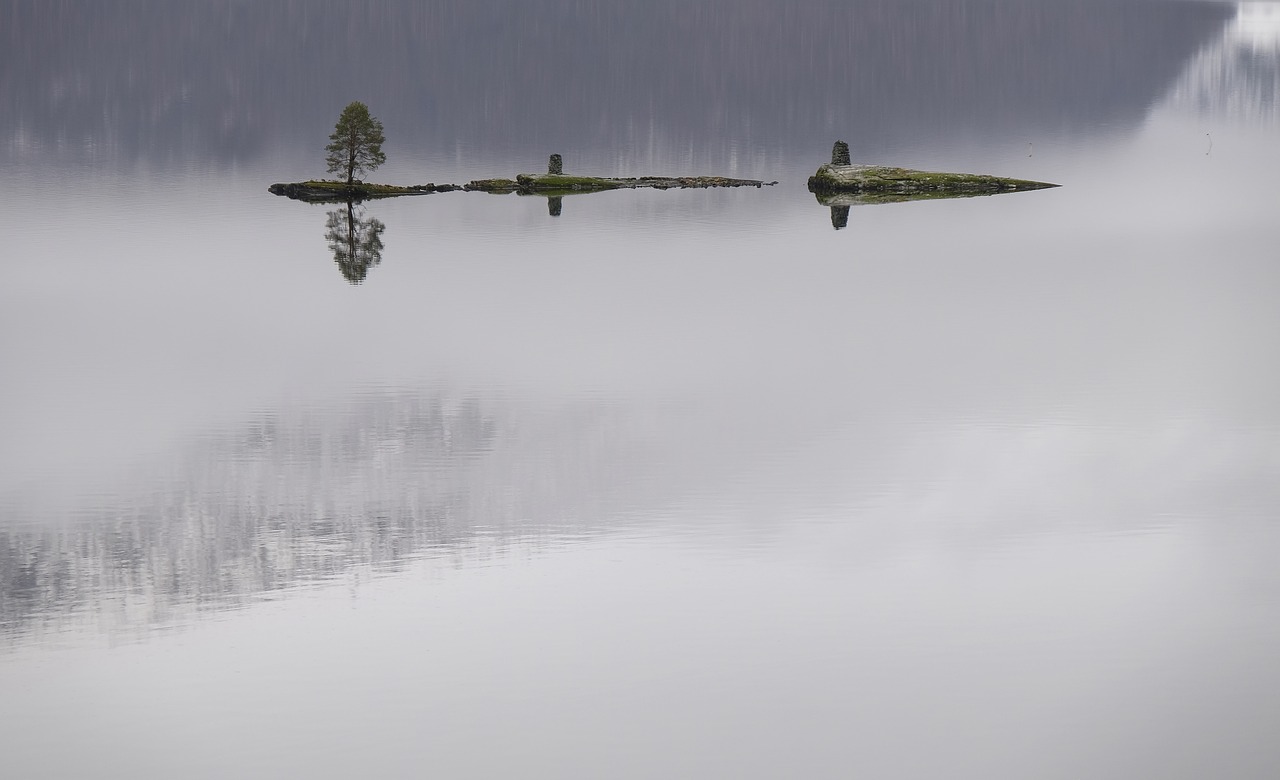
(306, 493)
(356, 242)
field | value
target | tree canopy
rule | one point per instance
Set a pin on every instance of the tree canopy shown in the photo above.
(355, 146)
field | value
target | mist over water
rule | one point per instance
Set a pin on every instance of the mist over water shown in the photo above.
(640, 483)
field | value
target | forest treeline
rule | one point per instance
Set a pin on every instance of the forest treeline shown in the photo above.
(226, 80)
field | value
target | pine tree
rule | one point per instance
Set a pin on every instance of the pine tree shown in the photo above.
(355, 147)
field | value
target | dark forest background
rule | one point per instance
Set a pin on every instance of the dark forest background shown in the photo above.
(226, 81)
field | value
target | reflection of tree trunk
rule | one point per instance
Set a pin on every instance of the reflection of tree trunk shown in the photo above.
(356, 243)
(839, 217)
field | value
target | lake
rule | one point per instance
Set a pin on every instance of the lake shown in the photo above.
(640, 483)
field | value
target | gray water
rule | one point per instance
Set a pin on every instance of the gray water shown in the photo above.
(677, 483)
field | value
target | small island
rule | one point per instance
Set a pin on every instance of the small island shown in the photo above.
(355, 147)
(327, 191)
(885, 183)
(552, 183)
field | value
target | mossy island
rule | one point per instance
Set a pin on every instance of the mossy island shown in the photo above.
(553, 182)
(328, 191)
(886, 184)
(355, 148)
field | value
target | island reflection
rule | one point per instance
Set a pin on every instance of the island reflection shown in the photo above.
(841, 203)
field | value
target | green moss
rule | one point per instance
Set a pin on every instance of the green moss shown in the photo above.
(498, 186)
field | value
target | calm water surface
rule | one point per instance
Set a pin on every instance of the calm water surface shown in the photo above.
(678, 484)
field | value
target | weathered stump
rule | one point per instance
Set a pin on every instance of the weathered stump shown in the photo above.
(555, 166)
(840, 154)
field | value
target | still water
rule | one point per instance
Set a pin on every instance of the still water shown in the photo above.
(678, 484)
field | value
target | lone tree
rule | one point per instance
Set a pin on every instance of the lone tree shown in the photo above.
(356, 143)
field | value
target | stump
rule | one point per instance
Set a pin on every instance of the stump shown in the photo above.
(840, 154)
(555, 166)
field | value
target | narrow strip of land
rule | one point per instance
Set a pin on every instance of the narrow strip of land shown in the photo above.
(886, 180)
(883, 183)
(550, 183)
(319, 191)
(553, 182)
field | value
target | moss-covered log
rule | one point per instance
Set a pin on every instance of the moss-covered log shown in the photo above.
(888, 181)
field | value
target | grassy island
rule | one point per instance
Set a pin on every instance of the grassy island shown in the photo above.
(889, 181)
(324, 191)
(885, 184)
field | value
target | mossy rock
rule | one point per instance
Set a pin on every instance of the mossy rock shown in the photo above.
(886, 180)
